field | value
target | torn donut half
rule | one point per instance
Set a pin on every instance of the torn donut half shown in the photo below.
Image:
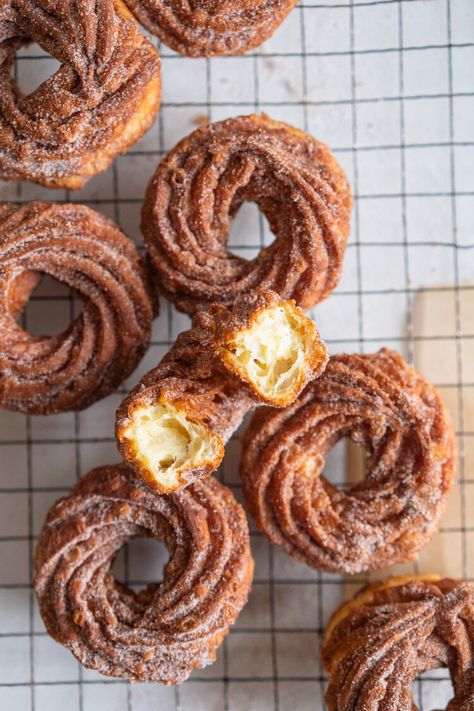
(173, 425)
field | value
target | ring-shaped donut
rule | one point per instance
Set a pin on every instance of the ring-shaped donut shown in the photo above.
(398, 418)
(100, 101)
(214, 27)
(199, 186)
(40, 375)
(391, 632)
(170, 628)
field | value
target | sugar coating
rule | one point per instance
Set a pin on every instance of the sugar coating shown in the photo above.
(204, 28)
(170, 628)
(203, 385)
(101, 100)
(87, 252)
(199, 186)
(398, 417)
(392, 632)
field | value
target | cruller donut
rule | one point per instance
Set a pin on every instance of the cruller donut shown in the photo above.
(200, 185)
(100, 101)
(173, 425)
(170, 628)
(40, 375)
(393, 631)
(203, 28)
(400, 421)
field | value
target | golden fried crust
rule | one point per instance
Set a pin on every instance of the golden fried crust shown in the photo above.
(197, 189)
(102, 99)
(212, 27)
(392, 632)
(82, 249)
(399, 419)
(197, 396)
(168, 629)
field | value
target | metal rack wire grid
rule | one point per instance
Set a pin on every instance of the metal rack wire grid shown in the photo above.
(389, 86)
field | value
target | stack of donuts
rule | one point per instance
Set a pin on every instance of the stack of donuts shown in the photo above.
(250, 345)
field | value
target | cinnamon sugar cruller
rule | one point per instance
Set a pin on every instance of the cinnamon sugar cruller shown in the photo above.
(100, 101)
(173, 425)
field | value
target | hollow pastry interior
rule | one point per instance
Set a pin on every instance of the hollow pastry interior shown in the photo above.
(274, 352)
(176, 433)
(167, 443)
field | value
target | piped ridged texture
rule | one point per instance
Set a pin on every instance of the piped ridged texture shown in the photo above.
(394, 631)
(203, 28)
(200, 382)
(84, 250)
(399, 419)
(100, 101)
(199, 186)
(168, 629)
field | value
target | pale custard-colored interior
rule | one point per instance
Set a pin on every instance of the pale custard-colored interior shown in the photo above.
(272, 351)
(167, 443)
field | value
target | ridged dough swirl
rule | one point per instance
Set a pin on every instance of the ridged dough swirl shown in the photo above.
(392, 632)
(199, 186)
(103, 97)
(170, 628)
(84, 250)
(399, 419)
(203, 28)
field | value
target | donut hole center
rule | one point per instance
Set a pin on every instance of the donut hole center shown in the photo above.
(273, 352)
(346, 464)
(167, 443)
(140, 562)
(432, 690)
(249, 230)
(43, 305)
(33, 67)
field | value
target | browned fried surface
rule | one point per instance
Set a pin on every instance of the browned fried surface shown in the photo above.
(197, 377)
(102, 346)
(103, 97)
(165, 631)
(197, 189)
(202, 28)
(396, 633)
(399, 419)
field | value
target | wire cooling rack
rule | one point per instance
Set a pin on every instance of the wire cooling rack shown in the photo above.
(390, 87)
